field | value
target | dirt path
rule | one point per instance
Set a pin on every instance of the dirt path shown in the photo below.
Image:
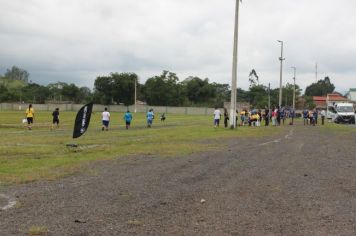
(301, 183)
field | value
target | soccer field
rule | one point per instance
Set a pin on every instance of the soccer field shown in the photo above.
(42, 153)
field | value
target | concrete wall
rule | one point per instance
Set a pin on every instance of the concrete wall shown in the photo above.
(112, 108)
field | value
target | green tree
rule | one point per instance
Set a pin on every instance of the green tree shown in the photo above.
(201, 91)
(116, 88)
(222, 92)
(5, 96)
(84, 95)
(56, 90)
(241, 95)
(321, 88)
(288, 91)
(16, 73)
(35, 93)
(309, 102)
(258, 96)
(164, 90)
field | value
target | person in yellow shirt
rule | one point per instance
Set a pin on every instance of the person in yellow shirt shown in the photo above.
(242, 116)
(30, 113)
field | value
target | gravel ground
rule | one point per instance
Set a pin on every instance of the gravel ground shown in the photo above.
(301, 183)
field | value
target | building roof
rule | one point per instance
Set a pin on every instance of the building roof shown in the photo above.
(319, 98)
(336, 97)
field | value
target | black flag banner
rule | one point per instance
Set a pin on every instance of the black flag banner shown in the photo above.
(82, 120)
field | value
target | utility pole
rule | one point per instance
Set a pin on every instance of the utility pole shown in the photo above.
(234, 69)
(135, 93)
(280, 75)
(294, 68)
(269, 102)
(316, 72)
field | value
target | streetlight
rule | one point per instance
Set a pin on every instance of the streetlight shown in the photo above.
(294, 68)
(135, 94)
(234, 69)
(280, 75)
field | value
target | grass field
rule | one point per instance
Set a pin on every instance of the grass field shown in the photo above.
(39, 154)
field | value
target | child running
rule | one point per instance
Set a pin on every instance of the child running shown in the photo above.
(106, 119)
(217, 116)
(30, 114)
(128, 118)
(55, 115)
(150, 116)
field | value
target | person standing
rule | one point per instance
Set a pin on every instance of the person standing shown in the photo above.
(105, 119)
(242, 117)
(30, 114)
(315, 116)
(322, 114)
(292, 115)
(267, 116)
(217, 116)
(226, 117)
(305, 116)
(278, 115)
(282, 115)
(55, 115)
(150, 116)
(128, 119)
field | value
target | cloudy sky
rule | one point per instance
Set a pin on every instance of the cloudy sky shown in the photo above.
(78, 40)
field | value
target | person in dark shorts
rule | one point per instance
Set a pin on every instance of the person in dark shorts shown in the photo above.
(105, 119)
(55, 115)
(30, 114)
(226, 117)
(128, 119)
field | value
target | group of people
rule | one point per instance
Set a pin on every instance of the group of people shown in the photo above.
(128, 118)
(310, 117)
(278, 116)
(106, 119)
(30, 114)
(251, 118)
(255, 117)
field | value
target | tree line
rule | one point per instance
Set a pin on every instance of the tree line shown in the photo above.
(165, 89)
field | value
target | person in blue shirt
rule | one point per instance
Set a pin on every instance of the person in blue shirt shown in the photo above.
(150, 116)
(305, 116)
(315, 117)
(292, 115)
(128, 119)
(282, 115)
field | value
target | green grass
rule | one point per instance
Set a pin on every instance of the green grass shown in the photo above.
(41, 154)
(38, 230)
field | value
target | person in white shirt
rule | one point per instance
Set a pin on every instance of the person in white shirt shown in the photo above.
(217, 116)
(322, 113)
(106, 119)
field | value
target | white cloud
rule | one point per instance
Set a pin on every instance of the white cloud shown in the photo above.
(75, 41)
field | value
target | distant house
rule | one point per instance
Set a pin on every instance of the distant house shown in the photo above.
(351, 95)
(331, 98)
(319, 101)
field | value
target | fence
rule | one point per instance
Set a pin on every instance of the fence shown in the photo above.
(112, 108)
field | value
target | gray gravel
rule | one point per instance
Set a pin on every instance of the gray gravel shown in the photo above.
(301, 183)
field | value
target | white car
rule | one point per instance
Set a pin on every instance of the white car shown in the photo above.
(341, 113)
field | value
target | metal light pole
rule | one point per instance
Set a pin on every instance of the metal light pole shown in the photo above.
(234, 69)
(135, 93)
(280, 75)
(294, 68)
(269, 102)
